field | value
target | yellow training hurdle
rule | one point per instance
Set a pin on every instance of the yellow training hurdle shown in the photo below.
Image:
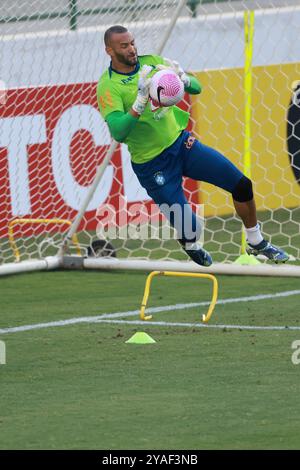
(14, 222)
(205, 318)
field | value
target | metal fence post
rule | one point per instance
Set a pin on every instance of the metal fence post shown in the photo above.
(73, 13)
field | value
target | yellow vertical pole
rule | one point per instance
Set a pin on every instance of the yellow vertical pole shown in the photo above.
(244, 258)
(249, 34)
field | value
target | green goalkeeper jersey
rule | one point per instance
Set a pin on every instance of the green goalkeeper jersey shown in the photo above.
(157, 128)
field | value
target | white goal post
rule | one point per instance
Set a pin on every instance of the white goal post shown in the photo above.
(60, 171)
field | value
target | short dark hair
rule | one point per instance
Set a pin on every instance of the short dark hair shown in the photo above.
(110, 31)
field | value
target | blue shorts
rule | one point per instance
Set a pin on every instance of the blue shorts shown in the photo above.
(162, 176)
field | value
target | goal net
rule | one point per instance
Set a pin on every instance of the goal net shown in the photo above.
(53, 138)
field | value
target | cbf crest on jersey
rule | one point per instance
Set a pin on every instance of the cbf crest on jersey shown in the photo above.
(159, 178)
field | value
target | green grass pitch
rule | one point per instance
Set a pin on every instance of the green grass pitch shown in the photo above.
(82, 387)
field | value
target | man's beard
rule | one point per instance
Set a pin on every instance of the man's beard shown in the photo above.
(126, 60)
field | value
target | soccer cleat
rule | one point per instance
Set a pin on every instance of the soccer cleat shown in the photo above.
(270, 251)
(198, 254)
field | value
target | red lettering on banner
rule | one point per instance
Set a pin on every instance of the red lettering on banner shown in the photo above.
(52, 140)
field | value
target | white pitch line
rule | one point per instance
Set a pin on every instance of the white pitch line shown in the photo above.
(130, 313)
(199, 325)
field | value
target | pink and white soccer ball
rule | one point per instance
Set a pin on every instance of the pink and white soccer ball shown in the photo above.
(166, 88)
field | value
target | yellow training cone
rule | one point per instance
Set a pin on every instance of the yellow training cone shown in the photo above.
(140, 338)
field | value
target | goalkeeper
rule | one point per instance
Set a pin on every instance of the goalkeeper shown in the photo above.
(162, 151)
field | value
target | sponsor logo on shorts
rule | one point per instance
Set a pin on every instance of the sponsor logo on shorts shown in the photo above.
(189, 142)
(159, 178)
